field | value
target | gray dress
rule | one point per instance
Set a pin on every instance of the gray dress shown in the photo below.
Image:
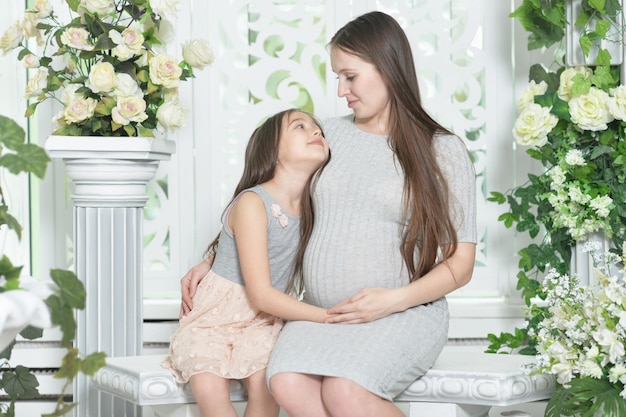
(355, 244)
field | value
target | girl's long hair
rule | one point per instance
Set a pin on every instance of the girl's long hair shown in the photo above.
(259, 166)
(378, 39)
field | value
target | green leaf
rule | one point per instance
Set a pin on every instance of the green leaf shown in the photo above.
(20, 383)
(72, 290)
(93, 362)
(11, 134)
(7, 270)
(63, 316)
(73, 4)
(70, 365)
(11, 222)
(29, 158)
(31, 333)
(497, 197)
(61, 410)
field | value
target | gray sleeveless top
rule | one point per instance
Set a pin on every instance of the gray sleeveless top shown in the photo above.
(283, 234)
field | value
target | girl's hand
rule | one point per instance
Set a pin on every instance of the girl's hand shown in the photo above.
(368, 305)
(189, 285)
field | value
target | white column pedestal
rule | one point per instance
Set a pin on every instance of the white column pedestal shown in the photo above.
(109, 177)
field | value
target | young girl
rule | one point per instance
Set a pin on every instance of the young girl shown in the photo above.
(238, 307)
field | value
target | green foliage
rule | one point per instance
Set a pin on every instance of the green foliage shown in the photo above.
(19, 383)
(585, 397)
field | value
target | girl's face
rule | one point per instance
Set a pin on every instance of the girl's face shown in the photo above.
(364, 89)
(302, 143)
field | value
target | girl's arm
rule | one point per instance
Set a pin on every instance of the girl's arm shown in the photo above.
(374, 303)
(248, 221)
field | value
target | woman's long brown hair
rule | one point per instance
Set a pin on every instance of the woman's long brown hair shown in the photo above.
(379, 40)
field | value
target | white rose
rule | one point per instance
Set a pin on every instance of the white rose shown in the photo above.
(43, 8)
(101, 7)
(30, 61)
(126, 86)
(198, 53)
(574, 157)
(590, 111)
(171, 115)
(617, 102)
(533, 125)
(77, 38)
(129, 109)
(11, 38)
(533, 90)
(102, 78)
(129, 43)
(565, 81)
(79, 109)
(36, 84)
(165, 7)
(164, 70)
(69, 93)
(29, 25)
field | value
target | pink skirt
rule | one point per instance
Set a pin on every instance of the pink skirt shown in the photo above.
(222, 334)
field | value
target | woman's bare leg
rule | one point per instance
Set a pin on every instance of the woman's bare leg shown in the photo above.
(212, 394)
(260, 401)
(300, 395)
(344, 398)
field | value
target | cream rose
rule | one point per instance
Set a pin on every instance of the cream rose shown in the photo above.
(165, 7)
(79, 109)
(129, 109)
(43, 8)
(617, 102)
(171, 115)
(565, 83)
(29, 25)
(69, 93)
(101, 7)
(164, 71)
(36, 84)
(533, 90)
(198, 53)
(590, 111)
(30, 61)
(11, 38)
(129, 43)
(102, 78)
(126, 87)
(533, 125)
(77, 38)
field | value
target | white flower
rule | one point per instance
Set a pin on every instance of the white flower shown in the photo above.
(575, 157)
(129, 109)
(617, 102)
(164, 70)
(198, 53)
(610, 341)
(77, 38)
(29, 25)
(101, 7)
(102, 78)
(590, 111)
(528, 96)
(126, 86)
(79, 109)
(602, 205)
(43, 8)
(30, 61)
(565, 84)
(129, 43)
(563, 372)
(36, 84)
(165, 7)
(69, 93)
(171, 115)
(533, 125)
(11, 38)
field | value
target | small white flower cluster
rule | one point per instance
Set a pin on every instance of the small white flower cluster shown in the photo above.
(583, 333)
(573, 206)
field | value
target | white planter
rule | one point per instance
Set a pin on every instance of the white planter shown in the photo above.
(109, 178)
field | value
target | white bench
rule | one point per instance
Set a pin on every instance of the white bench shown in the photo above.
(460, 384)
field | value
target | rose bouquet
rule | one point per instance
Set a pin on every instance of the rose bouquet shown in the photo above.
(581, 340)
(108, 66)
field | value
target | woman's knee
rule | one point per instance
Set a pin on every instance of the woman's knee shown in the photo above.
(343, 397)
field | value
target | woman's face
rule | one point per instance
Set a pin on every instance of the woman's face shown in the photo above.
(364, 89)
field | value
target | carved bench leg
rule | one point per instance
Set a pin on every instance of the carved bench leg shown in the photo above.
(425, 409)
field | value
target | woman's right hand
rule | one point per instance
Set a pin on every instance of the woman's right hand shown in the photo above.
(189, 284)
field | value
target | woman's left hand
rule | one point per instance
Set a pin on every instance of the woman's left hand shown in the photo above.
(368, 305)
